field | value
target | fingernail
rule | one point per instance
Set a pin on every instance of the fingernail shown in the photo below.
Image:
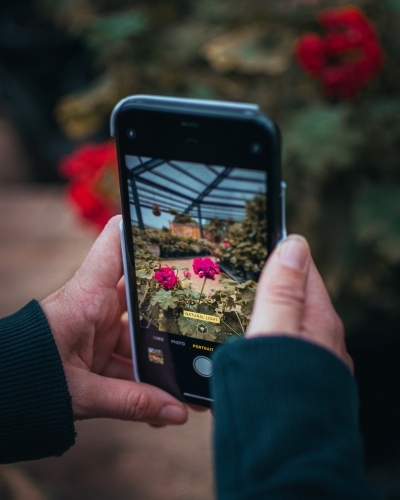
(294, 252)
(173, 414)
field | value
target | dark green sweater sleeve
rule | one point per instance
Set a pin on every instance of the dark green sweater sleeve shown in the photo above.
(36, 419)
(286, 423)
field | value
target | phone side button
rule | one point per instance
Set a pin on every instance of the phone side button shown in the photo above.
(203, 366)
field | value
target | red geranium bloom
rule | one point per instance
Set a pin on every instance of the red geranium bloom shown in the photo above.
(205, 268)
(166, 277)
(347, 58)
(93, 189)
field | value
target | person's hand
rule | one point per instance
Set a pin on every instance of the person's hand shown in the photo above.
(292, 300)
(87, 317)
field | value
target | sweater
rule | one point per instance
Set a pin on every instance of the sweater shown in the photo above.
(36, 418)
(285, 413)
(286, 423)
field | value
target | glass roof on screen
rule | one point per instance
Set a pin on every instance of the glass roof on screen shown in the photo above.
(203, 191)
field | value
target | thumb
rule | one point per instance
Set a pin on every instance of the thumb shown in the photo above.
(105, 397)
(103, 264)
(280, 296)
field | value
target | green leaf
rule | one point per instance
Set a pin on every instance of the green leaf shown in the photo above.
(228, 284)
(247, 309)
(153, 313)
(187, 326)
(230, 303)
(247, 290)
(377, 219)
(144, 274)
(165, 299)
(168, 322)
(231, 326)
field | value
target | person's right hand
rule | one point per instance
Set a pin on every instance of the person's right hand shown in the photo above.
(88, 322)
(292, 300)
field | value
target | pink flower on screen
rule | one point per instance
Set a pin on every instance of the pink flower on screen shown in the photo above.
(166, 277)
(205, 268)
(187, 274)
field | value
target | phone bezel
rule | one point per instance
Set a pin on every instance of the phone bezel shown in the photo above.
(235, 116)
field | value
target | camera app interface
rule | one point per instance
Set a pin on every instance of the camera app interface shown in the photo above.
(200, 243)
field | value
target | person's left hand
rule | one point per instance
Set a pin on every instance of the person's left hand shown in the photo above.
(88, 320)
(292, 300)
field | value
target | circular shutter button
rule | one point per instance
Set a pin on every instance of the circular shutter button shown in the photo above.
(203, 366)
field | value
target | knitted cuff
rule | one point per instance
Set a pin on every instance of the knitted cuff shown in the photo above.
(36, 418)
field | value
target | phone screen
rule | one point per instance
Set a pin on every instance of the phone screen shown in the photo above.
(199, 235)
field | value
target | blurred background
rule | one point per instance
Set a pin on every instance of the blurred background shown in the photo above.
(331, 80)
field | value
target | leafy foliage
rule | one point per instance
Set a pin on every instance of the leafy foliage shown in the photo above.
(217, 229)
(184, 219)
(246, 251)
(231, 303)
(171, 245)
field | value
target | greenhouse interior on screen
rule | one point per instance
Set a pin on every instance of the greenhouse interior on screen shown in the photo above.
(200, 244)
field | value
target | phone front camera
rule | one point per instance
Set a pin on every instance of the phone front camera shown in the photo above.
(131, 133)
(255, 148)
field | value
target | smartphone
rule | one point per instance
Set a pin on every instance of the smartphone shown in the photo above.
(202, 207)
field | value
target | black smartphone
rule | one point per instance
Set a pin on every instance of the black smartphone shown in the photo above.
(202, 207)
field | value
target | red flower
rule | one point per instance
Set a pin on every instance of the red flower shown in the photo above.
(347, 58)
(93, 189)
(166, 277)
(205, 268)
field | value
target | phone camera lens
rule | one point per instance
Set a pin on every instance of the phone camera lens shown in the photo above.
(255, 148)
(131, 133)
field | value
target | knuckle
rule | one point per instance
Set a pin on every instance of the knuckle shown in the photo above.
(137, 406)
(286, 295)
